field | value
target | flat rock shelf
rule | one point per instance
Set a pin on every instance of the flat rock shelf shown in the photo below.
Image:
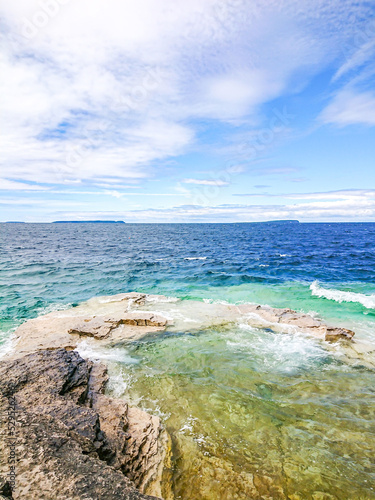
(73, 440)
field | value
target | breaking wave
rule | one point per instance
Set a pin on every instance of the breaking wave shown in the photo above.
(367, 301)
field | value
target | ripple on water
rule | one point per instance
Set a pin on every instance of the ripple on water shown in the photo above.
(252, 411)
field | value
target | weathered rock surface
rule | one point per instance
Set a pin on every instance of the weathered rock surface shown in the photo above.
(107, 320)
(126, 317)
(101, 327)
(281, 319)
(73, 442)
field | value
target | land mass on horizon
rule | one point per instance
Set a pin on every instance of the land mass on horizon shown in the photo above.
(88, 222)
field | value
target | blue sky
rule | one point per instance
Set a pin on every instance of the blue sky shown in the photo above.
(215, 111)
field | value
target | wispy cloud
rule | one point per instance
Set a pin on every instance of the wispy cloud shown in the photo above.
(9, 185)
(121, 90)
(354, 100)
(350, 108)
(102, 98)
(206, 182)
(333, 210)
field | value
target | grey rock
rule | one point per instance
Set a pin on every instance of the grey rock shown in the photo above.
(72, 441)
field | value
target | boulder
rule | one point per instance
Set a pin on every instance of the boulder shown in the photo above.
(73, 442)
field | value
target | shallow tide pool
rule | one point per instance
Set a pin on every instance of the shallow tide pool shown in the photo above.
(254, 414)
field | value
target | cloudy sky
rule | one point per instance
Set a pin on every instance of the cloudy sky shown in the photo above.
(175, 111)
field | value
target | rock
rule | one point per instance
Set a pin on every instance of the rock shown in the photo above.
(144, 319)
(145, 444)
(334, 334)
(282, 319)
(98, 328)
(101, 327)
(105, 319)
(114, 320)
(72, 441)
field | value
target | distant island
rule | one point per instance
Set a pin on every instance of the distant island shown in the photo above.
(281, 221)
(88, 222)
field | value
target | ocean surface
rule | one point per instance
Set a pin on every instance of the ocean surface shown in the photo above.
(246, 408)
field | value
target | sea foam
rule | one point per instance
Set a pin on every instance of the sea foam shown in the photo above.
(367, 301)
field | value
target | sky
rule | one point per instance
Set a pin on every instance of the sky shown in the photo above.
(199, 111)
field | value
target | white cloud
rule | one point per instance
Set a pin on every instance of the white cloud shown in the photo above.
(102, 90)
(349, 107)
(319, 211)
(206, 182)
(354, 102)
(345, 205)
(8, 185)
(358, 50)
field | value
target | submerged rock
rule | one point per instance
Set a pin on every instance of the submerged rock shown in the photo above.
(71, 441)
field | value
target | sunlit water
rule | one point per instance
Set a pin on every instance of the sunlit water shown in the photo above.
(252, 414)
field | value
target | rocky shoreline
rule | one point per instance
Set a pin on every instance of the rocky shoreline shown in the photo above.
(71, 441)
(126, 317)
(74, 442)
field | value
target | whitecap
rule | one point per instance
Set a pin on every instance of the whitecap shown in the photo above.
(195, 258)
(367, 301)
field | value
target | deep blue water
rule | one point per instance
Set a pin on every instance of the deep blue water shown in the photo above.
(45, 266)
(234, 399)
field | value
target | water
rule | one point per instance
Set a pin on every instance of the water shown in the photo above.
(252, 414)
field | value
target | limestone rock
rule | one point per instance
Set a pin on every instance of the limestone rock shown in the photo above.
(72, 441)
(333, 334)
(144, 319)
(100, 327)
(283, 319)
(107, 320)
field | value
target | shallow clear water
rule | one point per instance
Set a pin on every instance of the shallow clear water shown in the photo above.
(252, 414)
(251, 411)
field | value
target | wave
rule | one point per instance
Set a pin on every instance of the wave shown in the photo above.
(97, 353)
(367, 301)
(195, 258)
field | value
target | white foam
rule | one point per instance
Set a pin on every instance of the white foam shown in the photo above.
(218, 301)
(285, 353)
(95, 353)
(8, 343)
(367, 301)
(195, 258)
(161, 299)
(119, 383)
(188, 425)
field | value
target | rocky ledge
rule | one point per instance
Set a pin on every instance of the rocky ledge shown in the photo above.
(74, 442)
(70, 441)
(127, 317)
(281, 319)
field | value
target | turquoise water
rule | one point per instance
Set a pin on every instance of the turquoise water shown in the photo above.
(45, 265)
(251, 411)
(252, 414)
